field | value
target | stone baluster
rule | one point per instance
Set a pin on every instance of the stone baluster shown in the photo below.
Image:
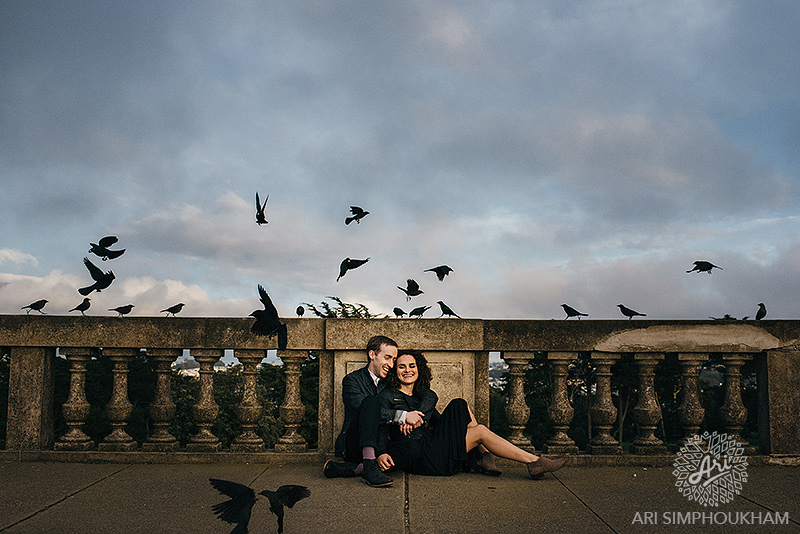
(292, 409)
(76, 409)
(560, 409)
(162, 409)
(249, 410)
(205, 410)
(690, 411)
(733, 412)
(517, 410)
(603, 411)
(119, 408)
(647, 412)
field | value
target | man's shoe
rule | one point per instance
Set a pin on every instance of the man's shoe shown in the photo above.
(373, 475)
(544, 465)
(333, 469)
(485, 464)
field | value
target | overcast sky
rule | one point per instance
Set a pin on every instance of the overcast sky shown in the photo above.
(580, 152)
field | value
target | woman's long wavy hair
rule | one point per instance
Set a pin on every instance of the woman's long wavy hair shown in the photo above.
(423, 371)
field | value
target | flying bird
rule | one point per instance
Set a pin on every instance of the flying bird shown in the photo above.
(441, 271)
(417, 312)
(398, 312)
(348, 265)
(83, 306)
(572, 312)
(702, 266)
(260, 217)
(101, 248)
(122, 310)
(446, 310)
(174, 309)
(411, 290)
(629, 313)
(287, 495)
(300, 311)
(268, 322)
(35, 306)
(762, 311)
(101, 279)
(358, 214)
(239, 507)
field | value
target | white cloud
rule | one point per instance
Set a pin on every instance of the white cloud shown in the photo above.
(17, 256)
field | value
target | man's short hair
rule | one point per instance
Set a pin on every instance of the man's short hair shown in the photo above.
(375, 342)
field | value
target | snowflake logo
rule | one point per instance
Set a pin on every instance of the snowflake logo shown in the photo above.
(710, 469)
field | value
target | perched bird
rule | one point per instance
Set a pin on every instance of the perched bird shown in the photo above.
(101, 248)
(83, 306)
(629, 313)
(101, 279)
(260, 217)
(572, 312)
(348, 264)
(441, 271)
(239, 507)
(703, 267)
(762, 311)
(417, 312)
(358, 214)
(174, 309)
(300, 311)
(398, 312)
(446, 310)
(122, 310)
(268, 322)
(411, 290)
(35, 306)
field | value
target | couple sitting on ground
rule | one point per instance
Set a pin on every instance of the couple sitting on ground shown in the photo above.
(391, 423)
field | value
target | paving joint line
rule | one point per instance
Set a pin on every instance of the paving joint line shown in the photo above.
(765, 507)
(612, 529)
(406, 516)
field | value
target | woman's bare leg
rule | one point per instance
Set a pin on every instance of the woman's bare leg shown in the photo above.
(480, 435)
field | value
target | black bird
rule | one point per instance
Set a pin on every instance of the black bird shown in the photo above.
(572, 312)
(101, 279)
(398, 312)
(441, 271)
(300, 311)
(702, 266)
(239, 507)
(417, 312)
(174, 309)
(101, 248)
(762, 311)
(268, 322)
(122, 310)
(287, 495)
(35, 306)
(83, 306)
(348, 264)
(411, 290)
(446, 310)
(358, 214)
(260, 217)
(629, 313)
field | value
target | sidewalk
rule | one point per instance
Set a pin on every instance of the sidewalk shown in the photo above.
(123, 498)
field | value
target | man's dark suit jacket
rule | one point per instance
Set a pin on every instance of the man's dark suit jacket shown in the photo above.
(356, 386)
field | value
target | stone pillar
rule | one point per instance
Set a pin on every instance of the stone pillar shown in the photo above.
(517, 410)
(603, 411)
(162, 409)
(76, 409)
(690, 411)
(292, 409)
(205, 410)
(647, 412)
(560, 409)
(249, 410)
(327, 432)
(778, 424)
(30, 399)
(119, 408)
(733, 412)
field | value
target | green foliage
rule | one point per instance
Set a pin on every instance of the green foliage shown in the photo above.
(342, 310)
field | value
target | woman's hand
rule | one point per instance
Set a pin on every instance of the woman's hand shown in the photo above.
(414, 419)
(406, 429)
(385, 462)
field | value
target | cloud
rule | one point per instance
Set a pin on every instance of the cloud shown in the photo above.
(17, 256)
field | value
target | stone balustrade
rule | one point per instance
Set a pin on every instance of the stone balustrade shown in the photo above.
(458, 352)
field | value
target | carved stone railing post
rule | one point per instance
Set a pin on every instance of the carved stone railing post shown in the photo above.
(690, 411)
(292, 410)
(603, 411)
(560, 409)
(517, 410)
(76, 409)
(162, 409)
(647, 412)
(733, 412)
(119, 408)
(249, 410)
(205, 410)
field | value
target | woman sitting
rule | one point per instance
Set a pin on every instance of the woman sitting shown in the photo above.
(441, 445)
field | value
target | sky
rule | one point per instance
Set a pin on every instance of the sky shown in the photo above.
(549, 152)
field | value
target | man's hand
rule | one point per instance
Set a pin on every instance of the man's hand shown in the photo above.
(385, 462)
(414, 419)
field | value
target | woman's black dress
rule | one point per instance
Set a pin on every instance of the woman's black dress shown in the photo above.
(438, 447)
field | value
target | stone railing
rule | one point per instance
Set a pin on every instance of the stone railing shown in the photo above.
(458, 351)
